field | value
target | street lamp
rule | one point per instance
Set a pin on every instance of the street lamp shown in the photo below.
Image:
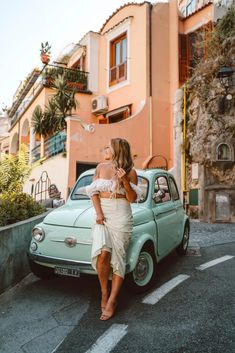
(225, 75)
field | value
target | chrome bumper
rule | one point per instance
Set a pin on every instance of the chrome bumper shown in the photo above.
(49, 260)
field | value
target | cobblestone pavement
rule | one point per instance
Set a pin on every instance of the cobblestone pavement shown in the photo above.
(206, 234)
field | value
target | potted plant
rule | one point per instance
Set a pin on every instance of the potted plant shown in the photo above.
(45, 53)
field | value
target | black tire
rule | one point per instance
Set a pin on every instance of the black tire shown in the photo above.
(143, 276)
(182, 248)
(40, 271)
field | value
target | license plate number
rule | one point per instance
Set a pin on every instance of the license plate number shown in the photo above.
(73, 272)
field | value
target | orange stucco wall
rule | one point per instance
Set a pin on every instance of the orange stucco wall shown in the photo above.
(160, 80)
(136, 90)
(83, 146)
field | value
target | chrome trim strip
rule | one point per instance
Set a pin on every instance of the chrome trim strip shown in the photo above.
(78, 242)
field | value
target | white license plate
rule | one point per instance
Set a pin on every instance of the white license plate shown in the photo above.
(73, 272)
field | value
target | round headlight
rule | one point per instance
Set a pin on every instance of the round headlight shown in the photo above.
(38, 234)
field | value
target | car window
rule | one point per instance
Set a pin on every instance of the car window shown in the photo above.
(174, 190)
(143, 184)
(161, 190)
(79, 192)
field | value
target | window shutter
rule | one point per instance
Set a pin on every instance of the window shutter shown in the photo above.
(183, 57)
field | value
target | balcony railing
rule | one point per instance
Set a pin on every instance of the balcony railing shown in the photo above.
(35, 153)
(77, 80)
(55, 144)
(52, 146)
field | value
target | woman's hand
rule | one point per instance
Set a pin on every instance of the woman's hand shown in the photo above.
(121, 174)
(100, 218)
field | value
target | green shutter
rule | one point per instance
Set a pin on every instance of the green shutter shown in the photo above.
(193, 197)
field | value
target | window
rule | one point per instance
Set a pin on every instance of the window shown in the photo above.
(118, 60)
(223, 152)
(161, 190)
(193, 47)
(143, 184)
(190, 7)
(118, 114)
(174, 190)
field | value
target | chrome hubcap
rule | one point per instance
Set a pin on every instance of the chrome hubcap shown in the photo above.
(144, 269)
(141, 268)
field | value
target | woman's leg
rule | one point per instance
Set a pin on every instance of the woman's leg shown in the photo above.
(112, 301)
(103, 270)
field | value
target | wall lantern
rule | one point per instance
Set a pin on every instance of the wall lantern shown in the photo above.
(225, 75)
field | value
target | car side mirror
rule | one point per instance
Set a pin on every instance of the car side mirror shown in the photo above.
(159, 195)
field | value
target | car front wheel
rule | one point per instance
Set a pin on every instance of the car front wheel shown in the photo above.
(144, 274)
(42, 272)
(182, 248)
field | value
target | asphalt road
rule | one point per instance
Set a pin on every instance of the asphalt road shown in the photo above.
(62, 315)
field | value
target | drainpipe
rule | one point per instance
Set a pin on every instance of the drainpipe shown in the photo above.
(150, 83)
(184, 142)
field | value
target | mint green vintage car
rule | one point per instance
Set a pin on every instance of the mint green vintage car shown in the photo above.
(61, 244)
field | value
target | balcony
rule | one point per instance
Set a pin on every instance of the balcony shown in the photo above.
(22, 100)
(52, 146)
(77, 80)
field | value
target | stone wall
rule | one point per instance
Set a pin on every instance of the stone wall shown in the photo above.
(14, 243)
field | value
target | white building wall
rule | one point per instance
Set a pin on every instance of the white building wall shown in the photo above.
(57, 170)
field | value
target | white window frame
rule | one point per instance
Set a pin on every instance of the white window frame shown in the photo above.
(112, 35)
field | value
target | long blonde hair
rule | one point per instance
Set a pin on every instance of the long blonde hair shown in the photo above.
(121, 154)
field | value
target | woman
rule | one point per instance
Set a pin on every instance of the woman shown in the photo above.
(113, 189)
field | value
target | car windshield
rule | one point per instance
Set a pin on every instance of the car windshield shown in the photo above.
(79, 192)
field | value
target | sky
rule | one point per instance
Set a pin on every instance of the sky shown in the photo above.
(24, 24)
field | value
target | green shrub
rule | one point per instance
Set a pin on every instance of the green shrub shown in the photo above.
(16, 207)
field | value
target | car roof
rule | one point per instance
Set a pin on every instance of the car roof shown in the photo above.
(141, 172)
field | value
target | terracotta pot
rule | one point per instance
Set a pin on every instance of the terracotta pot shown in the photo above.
(45, 58)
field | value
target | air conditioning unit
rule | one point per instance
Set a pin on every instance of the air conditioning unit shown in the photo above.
(99, 105)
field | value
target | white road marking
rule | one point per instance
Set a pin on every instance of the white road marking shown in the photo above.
(160, 292)
(214, 262)
(109, 339)
(58, 345)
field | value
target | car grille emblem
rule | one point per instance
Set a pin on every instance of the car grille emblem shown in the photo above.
(70, 241)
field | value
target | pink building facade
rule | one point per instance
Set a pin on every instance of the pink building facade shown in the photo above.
(134, 67)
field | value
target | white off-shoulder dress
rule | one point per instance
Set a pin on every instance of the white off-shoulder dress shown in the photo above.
(114, 236)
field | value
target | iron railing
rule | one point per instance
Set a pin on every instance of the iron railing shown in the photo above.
(52, 146)
(35, 153)
(55, 144)
(76, 79)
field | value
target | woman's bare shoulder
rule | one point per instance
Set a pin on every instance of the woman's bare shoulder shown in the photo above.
(102, 167)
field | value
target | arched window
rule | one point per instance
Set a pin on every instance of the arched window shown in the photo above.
(223, 152)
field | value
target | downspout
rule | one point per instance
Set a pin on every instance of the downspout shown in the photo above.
(184, 142)
(150, 83)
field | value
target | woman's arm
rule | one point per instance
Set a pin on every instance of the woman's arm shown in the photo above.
(126, 179)
(96, 200)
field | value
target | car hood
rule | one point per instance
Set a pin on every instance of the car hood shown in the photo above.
(82, 214)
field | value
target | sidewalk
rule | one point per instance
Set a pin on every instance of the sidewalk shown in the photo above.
(207, 234)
